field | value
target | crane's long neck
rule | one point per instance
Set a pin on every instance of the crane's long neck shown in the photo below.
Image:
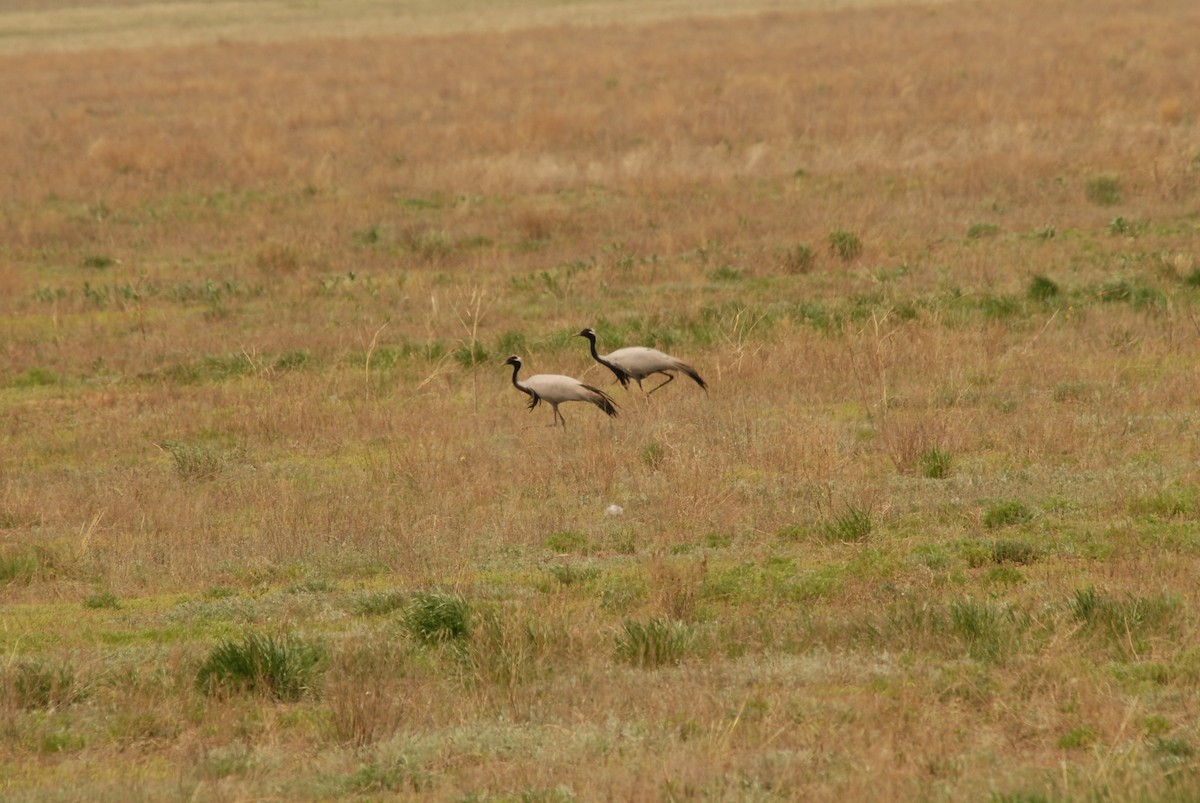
(517, 384)
(596, 355)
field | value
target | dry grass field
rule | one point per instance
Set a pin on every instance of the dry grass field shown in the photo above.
(274, 524)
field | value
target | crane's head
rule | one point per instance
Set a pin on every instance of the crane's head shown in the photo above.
(514, 360)
(589, 333)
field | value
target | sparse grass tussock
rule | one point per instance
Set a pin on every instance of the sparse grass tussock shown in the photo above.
(1007, 514)
(285, 668)
(654, 642)
(1128, 623)
(437, 617)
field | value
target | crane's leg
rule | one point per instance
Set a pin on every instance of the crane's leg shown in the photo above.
(670, 379)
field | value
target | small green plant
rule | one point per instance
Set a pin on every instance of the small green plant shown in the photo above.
(367, 237)
(1116, 290)
(569, 575)
(196, 461)
(1042, 288)
(1000, 307)
(792, 532)
(979, 625)
(654, 642)
(653, 455)
(102, 599)
(35, 378)
(1174, 748)
(845, 245)
(725, 273)
(567, 541)
(718, 540)
(470, 355)
(799, 259)
(283, 668)
(934, 463)
(98, 261)
(380, 603)
(1018, 552)
(27, 565)
(34, 684)
(292, 360)
(1125, 623)
(1120, 227)
(1078, 738)
(435, 617)
(852, 526)
(1103, 190)
(977, 231)
(1006, 514)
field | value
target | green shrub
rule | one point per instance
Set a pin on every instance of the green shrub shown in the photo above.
(799, 259)
(1103, 190)
(1124, 623)
(977, 231)
(845, 245)
(569, 575)
(653, 643)
(1119, 226)
(35, 378)
(102, 599)
(28, 564)
(1042, 288)
(1019, 552)
(934, 463)
(1006, 514)
(981, 626)
(434, 617)
(852, 526)
(196, 461)
(98, 261)
(380, 603)
(283, 668)
(567, 541)
(1078, 738)
(470, 355)
(34, 684)
(653, 455)
(292, 360)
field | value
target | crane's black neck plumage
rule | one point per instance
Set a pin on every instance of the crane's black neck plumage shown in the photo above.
(622, 377)
(533, 398)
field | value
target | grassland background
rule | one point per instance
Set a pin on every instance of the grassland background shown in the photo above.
(931, 534)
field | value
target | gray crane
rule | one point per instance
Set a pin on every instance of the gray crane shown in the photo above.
(555, 389)
(639, 362)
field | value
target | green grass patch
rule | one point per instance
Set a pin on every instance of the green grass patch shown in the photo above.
(436, 617)
(1042, 288)
(935, 463)
(1128, 623)
(1006, 514)
(380, 603)
(284, 668)
(566, 541)
(852, 525)
(653, 643)
(1103, 190)
(845, 245)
